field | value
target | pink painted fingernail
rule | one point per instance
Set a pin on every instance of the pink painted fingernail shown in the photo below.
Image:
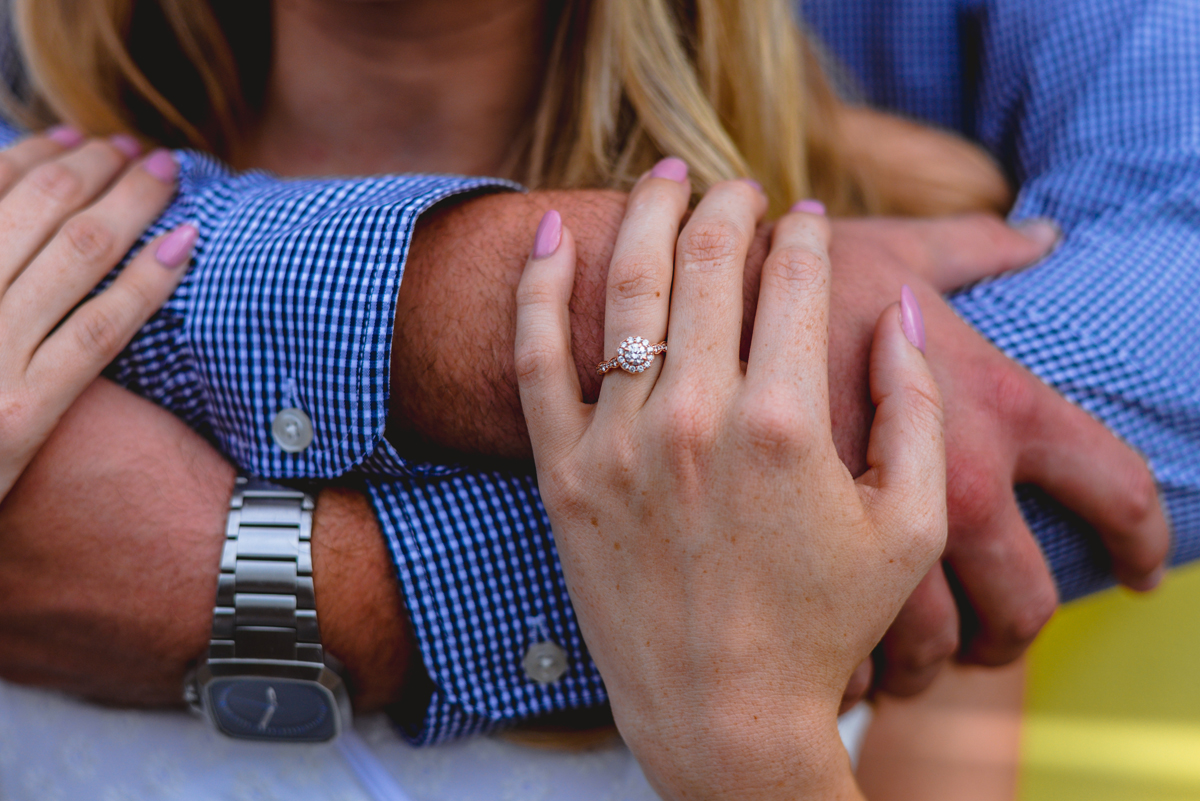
(672, 168)
(126, 144)
(912, 322)
(65, 135)
(1042, 231)
(754, 184)
(809, 207)
(176, 247)
(549, 235)
(161, 165)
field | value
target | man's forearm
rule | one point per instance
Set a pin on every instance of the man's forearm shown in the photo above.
(362, 615)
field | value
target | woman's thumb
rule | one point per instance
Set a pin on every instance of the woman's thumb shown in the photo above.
(906, 483)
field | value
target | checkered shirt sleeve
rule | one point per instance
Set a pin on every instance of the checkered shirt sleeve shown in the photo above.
(290, 303)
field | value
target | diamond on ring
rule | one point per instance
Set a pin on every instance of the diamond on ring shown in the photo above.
(634, 355)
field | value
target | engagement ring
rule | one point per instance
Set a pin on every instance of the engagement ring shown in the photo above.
(634, 355)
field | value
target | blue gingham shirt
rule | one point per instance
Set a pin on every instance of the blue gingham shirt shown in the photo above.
(1092, 106)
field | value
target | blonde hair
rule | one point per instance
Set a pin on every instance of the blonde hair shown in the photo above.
(730, 86)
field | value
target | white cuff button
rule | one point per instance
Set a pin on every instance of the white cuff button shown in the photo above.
(545, 662)
(292, 430)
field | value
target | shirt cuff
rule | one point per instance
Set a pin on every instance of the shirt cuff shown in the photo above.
(290, 305)
(480, 574)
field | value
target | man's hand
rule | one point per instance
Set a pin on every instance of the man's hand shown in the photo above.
(1003, 427)
(111, 542)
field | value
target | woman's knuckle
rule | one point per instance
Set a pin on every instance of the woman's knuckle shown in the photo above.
(564, 485)
(134, 299)
(535, 294)
(690, 429)
(923, 402)
(89, 239)
(15, 416)
(636, 279)
(800, 268)
(710, 243)
(921, 528)
(533, 360)
(929, 538)
(989, 228)
(772, 424)
(100, 331)
(623, 458)
(56, 182)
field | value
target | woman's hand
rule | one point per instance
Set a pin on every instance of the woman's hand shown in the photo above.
(69, 212)
(728, 573)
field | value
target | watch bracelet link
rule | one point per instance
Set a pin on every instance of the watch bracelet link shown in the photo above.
(266, 607)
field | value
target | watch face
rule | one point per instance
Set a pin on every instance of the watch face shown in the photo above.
(273, 709)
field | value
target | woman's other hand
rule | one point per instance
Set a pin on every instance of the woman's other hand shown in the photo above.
(70, 209)
(728, 573)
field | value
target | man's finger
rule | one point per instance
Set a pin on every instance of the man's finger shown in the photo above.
(1082, 464)
(962, 250)
(922, 638)
(1011, 595)
(856, 688)
(550, 394)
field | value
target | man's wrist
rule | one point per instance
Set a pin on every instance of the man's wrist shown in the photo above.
(359, 607)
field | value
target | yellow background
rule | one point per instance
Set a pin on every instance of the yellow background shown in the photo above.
(1112, 710)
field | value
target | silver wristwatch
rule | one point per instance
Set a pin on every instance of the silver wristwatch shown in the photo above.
(266, 676)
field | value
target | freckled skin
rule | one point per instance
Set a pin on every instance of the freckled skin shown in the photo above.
(731, 508)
